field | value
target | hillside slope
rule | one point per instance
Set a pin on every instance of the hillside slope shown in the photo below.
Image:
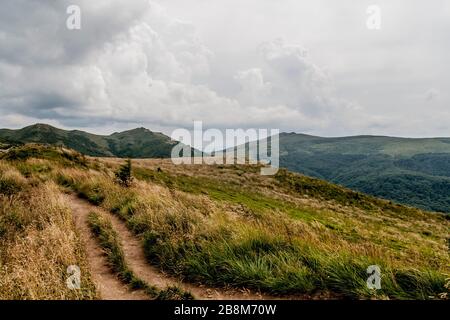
(409, 171)
(228, 226)
(137, 143)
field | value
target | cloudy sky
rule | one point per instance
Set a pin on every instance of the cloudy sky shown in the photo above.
(304, 66)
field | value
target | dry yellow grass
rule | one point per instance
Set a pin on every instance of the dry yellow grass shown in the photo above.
(227, 225)
(38, 243)
(333, 231)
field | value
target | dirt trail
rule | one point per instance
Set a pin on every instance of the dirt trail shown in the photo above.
(108, 285)
(135, 257)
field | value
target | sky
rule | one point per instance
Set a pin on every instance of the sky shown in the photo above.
(310, 67)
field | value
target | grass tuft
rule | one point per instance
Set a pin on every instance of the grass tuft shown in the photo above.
(109, 241)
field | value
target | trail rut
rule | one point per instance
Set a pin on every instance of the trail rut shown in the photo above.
(108, 285)
(111, 288)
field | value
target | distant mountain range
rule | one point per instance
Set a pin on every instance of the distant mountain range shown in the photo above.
(137, 143)
(409, 171)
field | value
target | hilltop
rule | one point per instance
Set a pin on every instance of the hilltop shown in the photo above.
(137, 143)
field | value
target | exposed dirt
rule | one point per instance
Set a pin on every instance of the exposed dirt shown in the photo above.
(108, 285)
(111, 288)
(134, 255)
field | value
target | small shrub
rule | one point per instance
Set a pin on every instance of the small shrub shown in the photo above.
(123, 175)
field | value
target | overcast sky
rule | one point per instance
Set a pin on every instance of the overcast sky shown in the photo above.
(303, 66)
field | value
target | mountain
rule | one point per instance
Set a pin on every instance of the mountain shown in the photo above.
(409, 171)
(137, 143)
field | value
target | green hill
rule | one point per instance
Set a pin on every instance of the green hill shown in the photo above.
(410, 171)
(137, 143)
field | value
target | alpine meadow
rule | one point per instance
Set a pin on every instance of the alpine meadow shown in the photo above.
(201, 227)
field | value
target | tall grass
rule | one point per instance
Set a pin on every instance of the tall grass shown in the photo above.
(38, 241)
(227, 226)
(271, 252)
(103, 230)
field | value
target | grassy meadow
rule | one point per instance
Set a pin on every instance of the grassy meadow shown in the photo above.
(223, 226)
(38, 240)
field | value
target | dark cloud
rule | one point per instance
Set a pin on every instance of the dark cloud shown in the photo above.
(133, 63)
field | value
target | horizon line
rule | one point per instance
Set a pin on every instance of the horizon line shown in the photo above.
(281, 133)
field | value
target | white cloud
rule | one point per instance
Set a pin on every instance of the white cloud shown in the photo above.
(288, 78)
(143, 71)
(432, 94)
(137, 68)
(133, 64)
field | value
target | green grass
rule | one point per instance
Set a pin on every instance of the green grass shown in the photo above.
(255, 203)
(108, 239)
(273, 264)
(289, 234)
(56, 154)
(30, 169)
(85, 190)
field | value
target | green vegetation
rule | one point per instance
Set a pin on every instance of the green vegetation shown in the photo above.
(137, 143)
(123, 174)
(10, 185)
(102, 228)
(285, 235)
(410, 171)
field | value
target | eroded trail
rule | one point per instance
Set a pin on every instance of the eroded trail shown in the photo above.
(109, 285)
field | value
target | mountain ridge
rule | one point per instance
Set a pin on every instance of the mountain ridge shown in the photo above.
(139, 142)
(411, 171)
